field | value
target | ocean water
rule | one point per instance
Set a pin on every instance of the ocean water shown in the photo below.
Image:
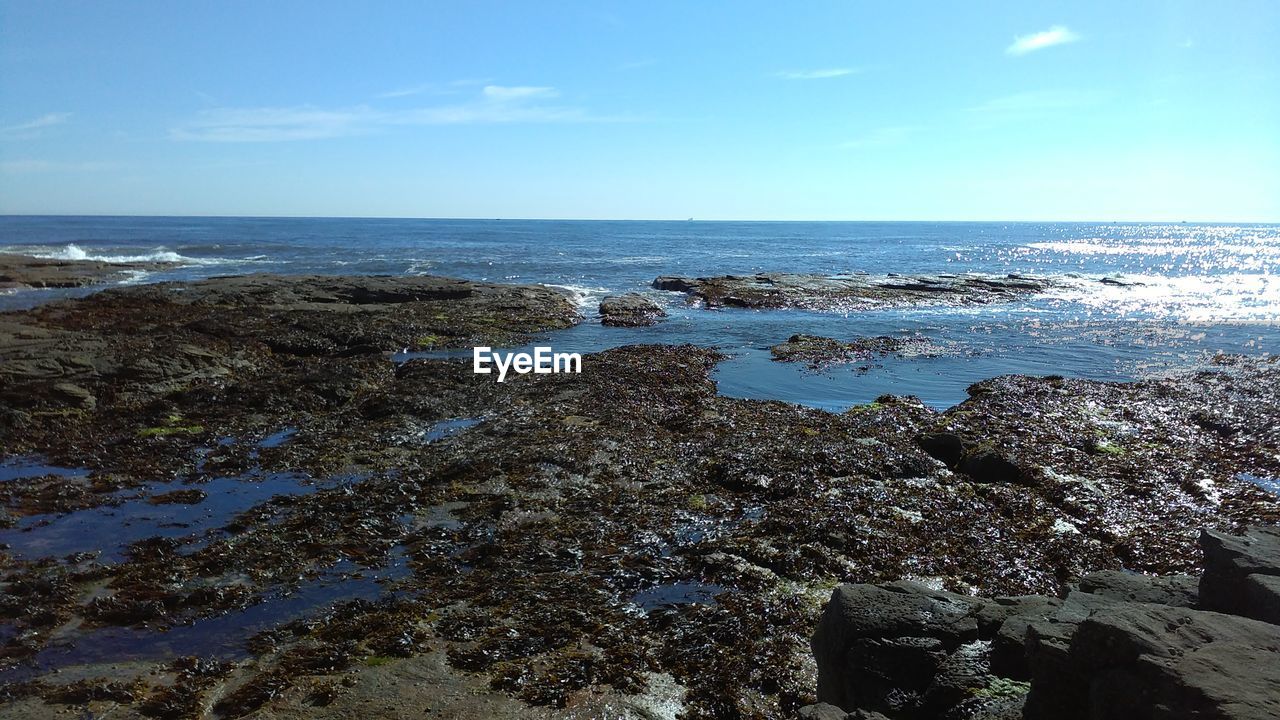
(1195, 289)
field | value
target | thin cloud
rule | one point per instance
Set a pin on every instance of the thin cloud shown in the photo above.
(33, 127)
(879, 137)
(495, 104)
(266, 124)
(822, 74)
(1056, 35)
(449, 88)
(499, 93)
(406, 92)
(1032, 105)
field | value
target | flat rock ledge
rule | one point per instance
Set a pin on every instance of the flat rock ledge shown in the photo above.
(851, 292)
(144, 340)
(22, 272)
(1121, 645)
(818, 351)
(630, 310)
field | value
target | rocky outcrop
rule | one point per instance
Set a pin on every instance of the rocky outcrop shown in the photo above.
(818, 351)
(1242, 573)
(629, 310)
(1122, 646)
(850, 292)
(160, 337)
(1141, 660)
(880, 647)
(905, 650)
(1175, 590)
(23, 272)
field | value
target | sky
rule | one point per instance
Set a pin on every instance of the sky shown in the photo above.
(1162, 110)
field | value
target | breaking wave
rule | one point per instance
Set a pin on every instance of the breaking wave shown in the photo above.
(160, 254)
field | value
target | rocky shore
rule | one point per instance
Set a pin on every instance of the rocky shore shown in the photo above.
(18, 272)
(850, 292)
(1117, 645)
(369, 536)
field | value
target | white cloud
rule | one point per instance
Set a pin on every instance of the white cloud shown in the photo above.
(816, 74)
(499, 93)
(32, 127)
(494, 104)
(1056, 35)
(1033, 105)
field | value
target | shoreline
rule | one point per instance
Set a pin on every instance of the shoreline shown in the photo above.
(566, 541)
(25, 272)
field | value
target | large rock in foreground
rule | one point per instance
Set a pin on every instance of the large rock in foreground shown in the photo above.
(1139, 660)
(851, 292)
(1126, 646)
(1242, 573)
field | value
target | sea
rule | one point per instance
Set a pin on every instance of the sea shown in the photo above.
(1185, 291)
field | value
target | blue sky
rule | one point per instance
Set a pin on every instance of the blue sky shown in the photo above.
(1162, 110)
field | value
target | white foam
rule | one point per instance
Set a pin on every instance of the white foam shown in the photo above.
(583, 296)
(160, 254)
(1232, 297)
(639, 260)
(1101, 247)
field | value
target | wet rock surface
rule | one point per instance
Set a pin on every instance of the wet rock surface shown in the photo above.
(850, 292)
(1113, 649)
(818, 351)
(19, 272)
(630, 310)
(368, 535)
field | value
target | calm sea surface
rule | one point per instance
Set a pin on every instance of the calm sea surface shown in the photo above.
(1204, 288)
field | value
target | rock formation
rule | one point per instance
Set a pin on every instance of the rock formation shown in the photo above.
(1119, 646)
(630, 310)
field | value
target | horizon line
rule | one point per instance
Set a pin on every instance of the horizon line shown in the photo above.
(487, 218)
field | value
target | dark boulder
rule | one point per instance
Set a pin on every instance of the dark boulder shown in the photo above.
(1262, 597)
(1175, 590)
(674, 284)
(958, 677)
(879, 646)
(629, 310)
(1139, 660)
(1230, 562)
(1006, 621)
